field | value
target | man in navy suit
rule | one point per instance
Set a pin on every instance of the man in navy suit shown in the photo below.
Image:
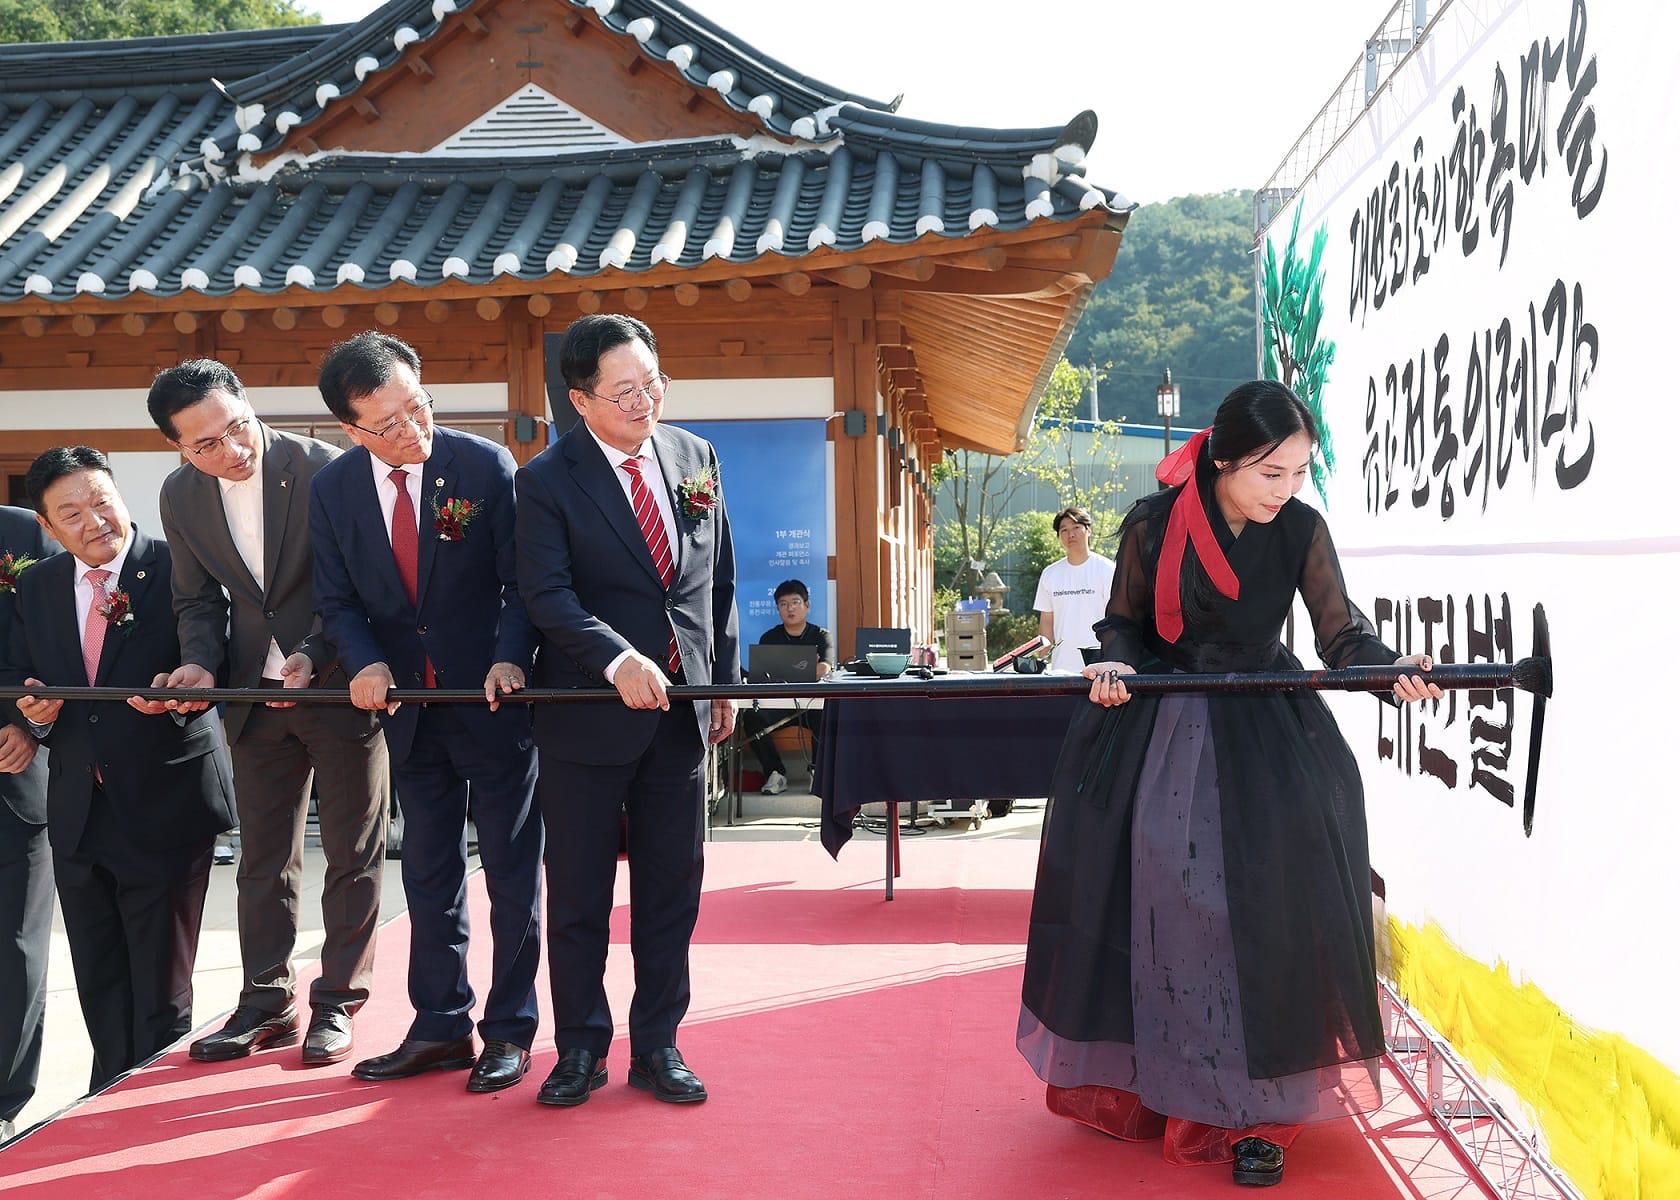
(134, 800)
(26, 879)
(627, 570)
(414, 582)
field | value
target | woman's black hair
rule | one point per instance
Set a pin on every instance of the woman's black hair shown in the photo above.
(1253, 420)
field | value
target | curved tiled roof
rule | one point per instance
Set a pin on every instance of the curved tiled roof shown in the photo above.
(104, 189)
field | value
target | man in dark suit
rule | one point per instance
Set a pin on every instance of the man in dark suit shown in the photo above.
(236, 517)
(134, 800)
(628, 572)
(413, 533)
(25, 861)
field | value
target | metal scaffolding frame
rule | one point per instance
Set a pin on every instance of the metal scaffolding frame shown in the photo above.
(1509, 1161)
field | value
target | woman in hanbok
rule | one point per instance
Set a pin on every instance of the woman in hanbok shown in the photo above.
(1200, 963)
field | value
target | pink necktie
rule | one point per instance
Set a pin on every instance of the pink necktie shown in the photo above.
(653, 530)
(96, 626)
(405, 548)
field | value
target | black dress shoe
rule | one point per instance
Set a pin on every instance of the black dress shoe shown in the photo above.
(1256, 1162)
(414, 1058)
(662, 1072)
(576, 1075)
(500, 1065)
(328, 1039)
(247, 1030)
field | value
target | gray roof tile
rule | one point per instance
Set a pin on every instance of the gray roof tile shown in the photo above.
(103, 190)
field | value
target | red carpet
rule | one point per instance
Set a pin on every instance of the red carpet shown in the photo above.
(852, 1048)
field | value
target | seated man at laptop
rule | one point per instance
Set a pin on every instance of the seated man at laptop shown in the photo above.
(793, 605)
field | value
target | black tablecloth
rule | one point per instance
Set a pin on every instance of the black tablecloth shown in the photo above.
(921, 749)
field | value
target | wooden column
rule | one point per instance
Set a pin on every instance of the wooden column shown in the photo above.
(526, 395)
(857, 470)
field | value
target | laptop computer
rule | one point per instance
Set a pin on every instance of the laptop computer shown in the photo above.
(882, 641)
(782, 664)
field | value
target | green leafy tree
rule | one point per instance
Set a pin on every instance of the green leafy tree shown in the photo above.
(1181, 295)
(1293, 353)
(101, 20)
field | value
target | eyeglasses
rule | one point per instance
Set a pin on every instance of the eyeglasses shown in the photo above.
(626, 400)
(398, 426)
(229, 435)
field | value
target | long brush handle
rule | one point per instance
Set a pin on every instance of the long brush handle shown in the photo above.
(1529, 674)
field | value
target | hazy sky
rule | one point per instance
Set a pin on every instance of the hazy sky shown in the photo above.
(1191, 95)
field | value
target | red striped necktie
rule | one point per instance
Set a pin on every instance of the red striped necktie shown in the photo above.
(405, 548)
(658, 543)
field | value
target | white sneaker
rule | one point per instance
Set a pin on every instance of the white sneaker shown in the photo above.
(775, 785)
(8, 1131)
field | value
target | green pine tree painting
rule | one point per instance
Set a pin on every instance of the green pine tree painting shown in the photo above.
(1294, 355)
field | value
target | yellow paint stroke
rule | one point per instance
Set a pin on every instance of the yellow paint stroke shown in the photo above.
(1609, 1111)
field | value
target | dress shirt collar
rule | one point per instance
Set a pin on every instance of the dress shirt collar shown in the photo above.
(245, 487)
(615, 456)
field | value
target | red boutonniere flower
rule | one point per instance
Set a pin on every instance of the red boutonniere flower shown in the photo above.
(118, 610)
(12, 567)
(451, 518)
(699, 495)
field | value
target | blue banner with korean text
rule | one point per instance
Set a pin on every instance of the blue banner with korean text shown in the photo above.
(775, 482)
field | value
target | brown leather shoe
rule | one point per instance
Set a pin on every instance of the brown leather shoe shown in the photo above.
(328, 1039)
(576, 1075)
(500, 1065)
(249, 1029)
(663, 1073)
(414, 1058)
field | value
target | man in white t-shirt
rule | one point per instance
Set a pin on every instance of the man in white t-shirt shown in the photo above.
(1073, 591)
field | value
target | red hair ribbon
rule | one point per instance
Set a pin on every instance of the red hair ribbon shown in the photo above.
(1187, 522)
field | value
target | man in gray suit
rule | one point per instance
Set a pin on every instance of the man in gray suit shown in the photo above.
(26, 878)
(236, 516)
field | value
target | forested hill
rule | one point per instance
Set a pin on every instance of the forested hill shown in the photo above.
(1182, 296)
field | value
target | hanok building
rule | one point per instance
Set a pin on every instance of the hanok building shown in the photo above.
(841, 293)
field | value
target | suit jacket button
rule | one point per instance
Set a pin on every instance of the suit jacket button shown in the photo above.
(93, 719)
(269, 614)
(422, 629)
(669, 604)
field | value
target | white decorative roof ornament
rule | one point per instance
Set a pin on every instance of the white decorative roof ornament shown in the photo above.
(562, 258)
(669, 247)
(681, 56)
(141, 279)
(1042, 166)
(930, 223)
(529, 123)
(721, 82)
(873, 230)
(603, 7)
(88, 282)
(247, 276)
(981, 216)
(441, 9)
(326, 93)
(722, 242)
(195, 278)
(505, 264)
(298, 275)
(772, 238)
(822, 235)
(351, 273)
(642, 28)
(37, 285)
(366, 65)
(763, 105)
(403, 269)
(404, 38)
(456, 267)
(284, 122)
(248, 116)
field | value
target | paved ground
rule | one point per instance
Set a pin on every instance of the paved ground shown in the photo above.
(792, 816)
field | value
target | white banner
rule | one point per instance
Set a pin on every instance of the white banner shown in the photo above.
(1485, 332)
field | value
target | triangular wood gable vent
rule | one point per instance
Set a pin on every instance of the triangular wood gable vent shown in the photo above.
(530, 121)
